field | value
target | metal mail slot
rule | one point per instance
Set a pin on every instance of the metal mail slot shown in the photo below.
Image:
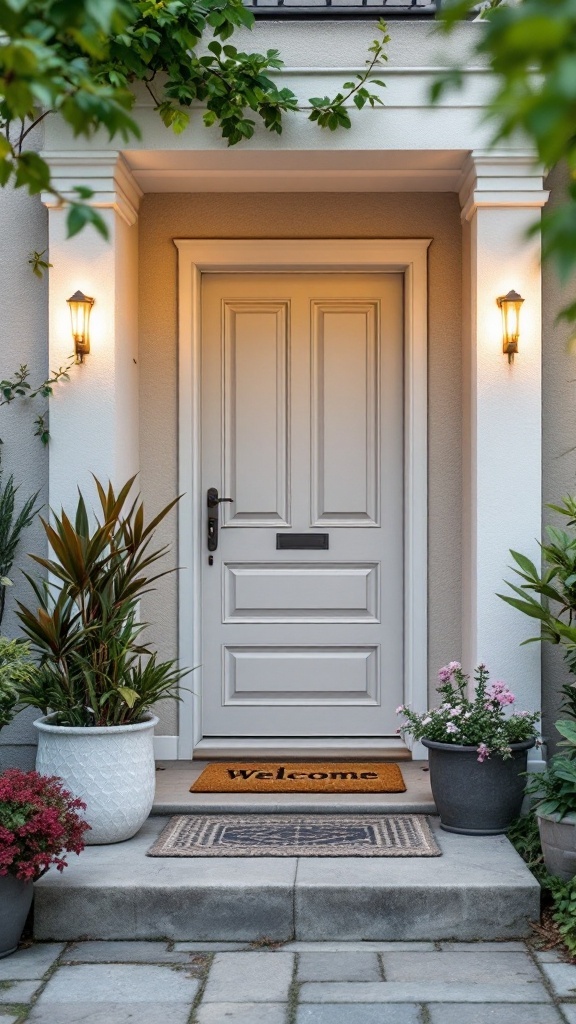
(299, 541)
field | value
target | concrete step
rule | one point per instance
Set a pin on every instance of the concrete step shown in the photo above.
(479, 889)
(173, 796)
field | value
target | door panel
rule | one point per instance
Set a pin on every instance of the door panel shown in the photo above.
(306, 592)
(254, 390)
(302, 426)
(345, 414)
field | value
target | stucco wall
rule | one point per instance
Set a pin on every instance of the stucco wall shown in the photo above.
(436, 216)
(558, 437)
(23, 308)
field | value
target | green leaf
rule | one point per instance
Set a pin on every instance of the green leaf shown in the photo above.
(129, 695)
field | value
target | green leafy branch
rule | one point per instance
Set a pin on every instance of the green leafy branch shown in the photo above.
(332, 113)
(82, 60)
(19, 387)
(38, 263)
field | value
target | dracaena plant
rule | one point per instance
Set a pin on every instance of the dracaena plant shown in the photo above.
(554, 605)
(94, 667)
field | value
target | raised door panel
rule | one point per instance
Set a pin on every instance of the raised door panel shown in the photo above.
(255, 411)
(329, 675)
(345, 484)
(301, 592)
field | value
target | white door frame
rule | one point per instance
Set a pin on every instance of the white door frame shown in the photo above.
(197, 257)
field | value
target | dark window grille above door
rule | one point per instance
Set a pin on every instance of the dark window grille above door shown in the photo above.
(342, 8)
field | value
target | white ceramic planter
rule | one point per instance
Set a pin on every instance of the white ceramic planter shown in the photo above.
(111, 768)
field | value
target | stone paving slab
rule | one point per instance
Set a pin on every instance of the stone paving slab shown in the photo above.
(334, 1013)
(30, 964)
(119, 983)
(120, 893)
(123, 952)
(249, 977)
(210, 947)
(549, 956)
(474, 967)
(338, 967)
(562, 978)
(242, 1013)
(480, 888)
(569, 1011)
(7, 1019)
(109, 1013)
(483, 947)
(173, 796)
(420, 992)
(465, 1013)
(362, 947)
(17, 992)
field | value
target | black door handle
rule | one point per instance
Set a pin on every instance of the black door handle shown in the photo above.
(213, 501)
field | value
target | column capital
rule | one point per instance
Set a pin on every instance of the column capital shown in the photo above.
(493, 179)
(106, 172)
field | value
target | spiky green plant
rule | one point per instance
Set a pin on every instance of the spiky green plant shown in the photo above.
(12, 526)
(94, 668)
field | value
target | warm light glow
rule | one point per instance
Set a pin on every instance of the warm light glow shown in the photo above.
(80, 309)
(510, 305)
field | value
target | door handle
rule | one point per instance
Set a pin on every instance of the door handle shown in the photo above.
(213, 501)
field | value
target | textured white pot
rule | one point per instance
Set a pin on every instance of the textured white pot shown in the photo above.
(111, 768)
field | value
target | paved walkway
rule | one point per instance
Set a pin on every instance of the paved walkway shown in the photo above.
(297, 983)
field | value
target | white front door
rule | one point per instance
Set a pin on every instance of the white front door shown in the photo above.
(302, 426)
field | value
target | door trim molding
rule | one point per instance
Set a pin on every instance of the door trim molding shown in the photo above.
(197, 257)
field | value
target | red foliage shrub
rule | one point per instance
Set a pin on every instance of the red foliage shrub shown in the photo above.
(38, 823)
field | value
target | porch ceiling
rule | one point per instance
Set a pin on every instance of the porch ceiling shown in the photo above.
(297, 171)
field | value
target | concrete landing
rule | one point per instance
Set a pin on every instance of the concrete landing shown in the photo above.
(174, 778)
(479, 889)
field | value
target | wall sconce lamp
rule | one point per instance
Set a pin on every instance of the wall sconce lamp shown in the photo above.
(510, 306)
(80, 309)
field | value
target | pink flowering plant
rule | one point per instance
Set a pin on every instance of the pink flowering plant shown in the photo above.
(39, 822)
(486, 721)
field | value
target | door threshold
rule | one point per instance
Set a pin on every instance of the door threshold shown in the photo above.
(335, 747)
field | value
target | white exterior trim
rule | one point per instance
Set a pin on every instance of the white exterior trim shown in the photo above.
(501, 196)
(165, 748)
(407, 256)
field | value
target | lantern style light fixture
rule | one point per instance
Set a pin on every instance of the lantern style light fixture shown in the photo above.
(80, 309)
(510, 305)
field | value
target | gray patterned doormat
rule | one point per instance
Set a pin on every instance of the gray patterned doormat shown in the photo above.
(296, 835)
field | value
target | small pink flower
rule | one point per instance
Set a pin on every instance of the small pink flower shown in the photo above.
(456, 711)
(427, 720)
(399, 709)
(454, 666)
(452, 728)
(483, 753)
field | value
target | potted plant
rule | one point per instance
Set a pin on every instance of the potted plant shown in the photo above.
(97, 680)
(555, 808)
(39, 822)
(477, 751)
(16, 670)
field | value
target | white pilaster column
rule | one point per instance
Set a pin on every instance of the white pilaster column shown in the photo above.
(501, 196)
(94, 417)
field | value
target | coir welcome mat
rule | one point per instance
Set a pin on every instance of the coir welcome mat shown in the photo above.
(296, 835)
(300, 777)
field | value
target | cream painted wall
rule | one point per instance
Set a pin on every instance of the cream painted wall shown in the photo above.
(164, 217)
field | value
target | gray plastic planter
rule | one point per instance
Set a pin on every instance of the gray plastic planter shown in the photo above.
(473, 798)
(558, 838)
(15, 901)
